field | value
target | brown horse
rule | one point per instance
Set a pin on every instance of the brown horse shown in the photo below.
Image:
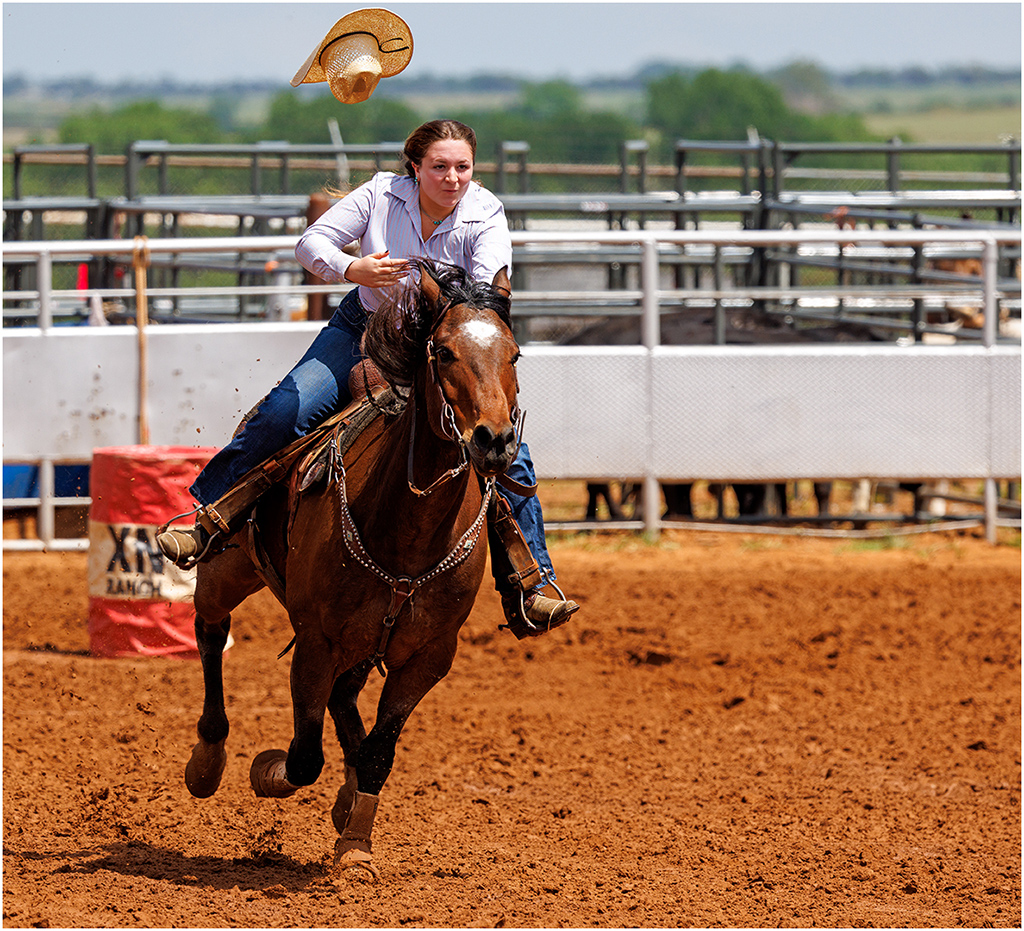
(380, 563)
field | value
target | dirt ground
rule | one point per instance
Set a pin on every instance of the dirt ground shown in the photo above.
(734, 731)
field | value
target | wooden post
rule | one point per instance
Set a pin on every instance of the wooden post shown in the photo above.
(140, 261)
(319, 204)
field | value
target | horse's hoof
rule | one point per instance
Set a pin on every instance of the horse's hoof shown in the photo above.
(204, 768)
(354, 860)
(267, 775)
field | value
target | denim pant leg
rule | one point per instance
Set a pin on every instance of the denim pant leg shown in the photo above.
(314, 389)
(527, 512)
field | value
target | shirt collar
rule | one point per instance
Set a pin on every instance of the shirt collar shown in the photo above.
(469, 210)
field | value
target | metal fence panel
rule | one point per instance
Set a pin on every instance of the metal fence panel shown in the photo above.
(1005, 392)
(70, 390)
(742, 413)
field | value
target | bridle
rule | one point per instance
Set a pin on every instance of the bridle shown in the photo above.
(448, 427)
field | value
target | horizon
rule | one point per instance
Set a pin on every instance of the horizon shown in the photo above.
(578, 42)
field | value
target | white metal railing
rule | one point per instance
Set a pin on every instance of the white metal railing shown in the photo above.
(651, 296)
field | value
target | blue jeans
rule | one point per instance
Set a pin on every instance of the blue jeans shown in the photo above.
(313, 390)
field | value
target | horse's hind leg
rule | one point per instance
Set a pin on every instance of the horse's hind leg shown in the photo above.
(213, 600)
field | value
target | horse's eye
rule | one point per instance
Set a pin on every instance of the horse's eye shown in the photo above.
(444, 355)
(516, 357)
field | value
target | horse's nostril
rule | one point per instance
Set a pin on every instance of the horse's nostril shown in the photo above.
(483, 437)
(509, 440)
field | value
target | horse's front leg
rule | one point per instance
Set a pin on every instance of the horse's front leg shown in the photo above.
(276, 773)
(402, 692)
(206, 765)
(348, 725)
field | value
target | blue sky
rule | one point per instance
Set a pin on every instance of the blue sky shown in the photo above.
(209, 42)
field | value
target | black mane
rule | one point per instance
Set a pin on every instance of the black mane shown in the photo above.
(397, 332)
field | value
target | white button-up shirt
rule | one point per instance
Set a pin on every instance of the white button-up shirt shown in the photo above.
(384, 216)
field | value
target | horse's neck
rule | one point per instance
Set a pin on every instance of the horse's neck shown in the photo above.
(383, 500)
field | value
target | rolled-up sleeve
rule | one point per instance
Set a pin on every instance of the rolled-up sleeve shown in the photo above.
(320, 247)
(490, 246)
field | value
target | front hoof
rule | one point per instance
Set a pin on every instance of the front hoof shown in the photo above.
(354, 857)
(267, 775)
(204, 768)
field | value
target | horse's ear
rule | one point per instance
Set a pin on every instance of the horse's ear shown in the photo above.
(501, 282)
(429, 288)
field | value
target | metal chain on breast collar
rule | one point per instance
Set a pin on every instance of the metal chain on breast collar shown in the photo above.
(403, 588)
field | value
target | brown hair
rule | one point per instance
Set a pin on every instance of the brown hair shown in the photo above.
(426, 135)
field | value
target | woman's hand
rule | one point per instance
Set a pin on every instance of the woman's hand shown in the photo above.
(377, 270)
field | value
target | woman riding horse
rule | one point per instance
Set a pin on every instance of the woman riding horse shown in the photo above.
(416, 484)
(434, 211)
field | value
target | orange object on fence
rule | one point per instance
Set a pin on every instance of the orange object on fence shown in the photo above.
(140, 603)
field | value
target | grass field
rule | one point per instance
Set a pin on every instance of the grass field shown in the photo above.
(983, 125)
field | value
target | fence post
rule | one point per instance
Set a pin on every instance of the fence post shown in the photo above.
(778, 168)
(651, 328)
(521, 150)
(44, 284)
(91, 177)
(716, 270)
(17, 175)
(639, 146)
(989, 269)
(894, 164)
(45, 516)
(131, 172)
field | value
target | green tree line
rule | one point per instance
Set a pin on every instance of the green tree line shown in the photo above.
(551, 116)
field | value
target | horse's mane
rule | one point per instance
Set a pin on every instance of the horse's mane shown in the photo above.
(397, 332)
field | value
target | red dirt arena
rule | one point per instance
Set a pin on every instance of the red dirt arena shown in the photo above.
(734, 731)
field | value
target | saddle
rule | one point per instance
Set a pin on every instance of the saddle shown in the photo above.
(371, 398)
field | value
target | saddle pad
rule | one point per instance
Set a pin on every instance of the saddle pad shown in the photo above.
(344, 428)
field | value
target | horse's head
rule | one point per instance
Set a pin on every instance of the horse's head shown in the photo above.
(456, 344)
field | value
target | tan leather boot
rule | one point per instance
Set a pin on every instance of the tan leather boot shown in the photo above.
(531, 614)
(183, 546)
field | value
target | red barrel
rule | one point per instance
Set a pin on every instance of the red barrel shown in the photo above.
(140, 603)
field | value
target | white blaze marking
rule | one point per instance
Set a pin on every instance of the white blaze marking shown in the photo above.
(481, 331)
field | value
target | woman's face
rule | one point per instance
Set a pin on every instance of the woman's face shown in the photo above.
(445, 173)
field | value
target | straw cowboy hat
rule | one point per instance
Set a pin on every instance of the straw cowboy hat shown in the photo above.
(360, 49)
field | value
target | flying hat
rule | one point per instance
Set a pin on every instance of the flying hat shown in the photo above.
(360, 49)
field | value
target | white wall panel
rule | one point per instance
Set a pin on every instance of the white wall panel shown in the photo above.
(741, 413)
(205, 378)
(821, 412)
(585, 410)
